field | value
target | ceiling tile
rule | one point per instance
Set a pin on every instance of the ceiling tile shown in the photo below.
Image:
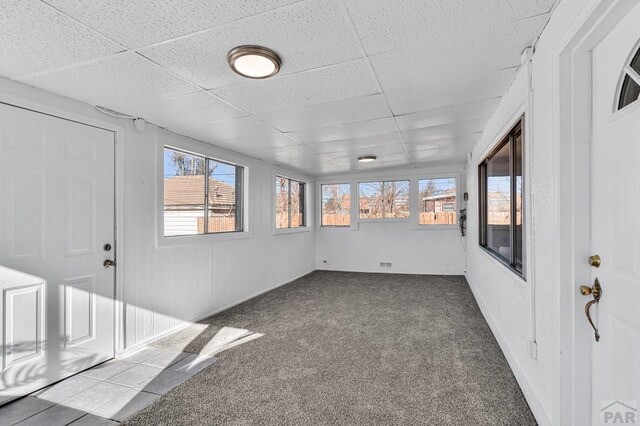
(36, 37)
(430, 143)
(352, 153)
(440, 94)
(445, 131)
(481, 110)
(330, 114)
(306, 35)
(300, 157)
(182, 110)
(346, 144)
(249, 144)
(347, 131)
(461, 59)
(140, 23)
(335, 83)
(385, 25)
(217, 131)
(121, 82)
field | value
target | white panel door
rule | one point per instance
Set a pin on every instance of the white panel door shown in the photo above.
(56, 218)
(615, 233)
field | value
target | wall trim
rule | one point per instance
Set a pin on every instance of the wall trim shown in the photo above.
(530, 395)
(359, 271)
(136, 346)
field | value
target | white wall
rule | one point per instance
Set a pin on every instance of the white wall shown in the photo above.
(521, 311)
(409, 247)
(163, 284)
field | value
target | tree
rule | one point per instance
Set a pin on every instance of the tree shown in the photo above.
(187, 165)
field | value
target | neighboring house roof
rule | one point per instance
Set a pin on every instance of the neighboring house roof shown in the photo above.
(450, 193)
(184, 191)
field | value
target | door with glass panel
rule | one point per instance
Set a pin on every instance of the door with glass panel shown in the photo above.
(611, 299)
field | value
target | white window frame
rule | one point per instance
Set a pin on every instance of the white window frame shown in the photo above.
(320, 203)
(456, 177)
(202, 150)
(414, 208)
(308, 189)
(386, 219)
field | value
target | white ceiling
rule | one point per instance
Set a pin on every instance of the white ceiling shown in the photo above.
(412, 81)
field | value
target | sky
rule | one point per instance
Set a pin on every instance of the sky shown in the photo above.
(223, 172)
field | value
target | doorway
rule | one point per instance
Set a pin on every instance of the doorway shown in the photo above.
(57, 248)
(614, 289)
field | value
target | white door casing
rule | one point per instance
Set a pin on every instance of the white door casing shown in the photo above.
(615, 233)
(56, 215)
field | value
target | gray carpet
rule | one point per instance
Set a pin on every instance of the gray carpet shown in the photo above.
(349, 348)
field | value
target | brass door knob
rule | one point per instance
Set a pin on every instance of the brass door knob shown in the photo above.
(585, 290)
(596, 291)
(595, 261)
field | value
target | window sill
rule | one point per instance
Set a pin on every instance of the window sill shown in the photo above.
(386, 220)
(285, 231)
(435, 228)
(500, 262)
(180, 240)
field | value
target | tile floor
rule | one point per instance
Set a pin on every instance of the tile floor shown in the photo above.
(107, 393)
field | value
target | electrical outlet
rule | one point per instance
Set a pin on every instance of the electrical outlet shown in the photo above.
(385, 264)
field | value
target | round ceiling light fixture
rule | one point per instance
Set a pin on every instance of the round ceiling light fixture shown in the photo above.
(367, 158)
(254, 61)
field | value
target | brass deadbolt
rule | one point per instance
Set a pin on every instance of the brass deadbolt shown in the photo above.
(595, 261)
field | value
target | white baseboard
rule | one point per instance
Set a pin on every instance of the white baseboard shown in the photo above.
(530, 395)
(388, 271)
(134, 347)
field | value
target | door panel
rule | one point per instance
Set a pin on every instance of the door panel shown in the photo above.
(615, 233)
(23, 324)
(79, 309)
(57, 212)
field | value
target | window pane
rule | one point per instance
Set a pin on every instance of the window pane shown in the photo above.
(184, 180)
(630, 92)
(518, 182)
(635, 62)
(437, 201)
(297, 190)
(396, 198)
(371, 200)
(499, 203)
(222, 197)
(336, 204)
(282, 202)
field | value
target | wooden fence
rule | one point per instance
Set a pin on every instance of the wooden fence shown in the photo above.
(282, 220)
(442, 218)
(503, 218)
(332, 219)
(218, 224)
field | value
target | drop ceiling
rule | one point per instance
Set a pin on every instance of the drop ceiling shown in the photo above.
(412, 81)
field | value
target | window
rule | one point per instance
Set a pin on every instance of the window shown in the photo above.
(501, 200)
(437, 201)
(290, 204)
(630, 89)
(389, 199)
(191, 179)
(336, 203)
